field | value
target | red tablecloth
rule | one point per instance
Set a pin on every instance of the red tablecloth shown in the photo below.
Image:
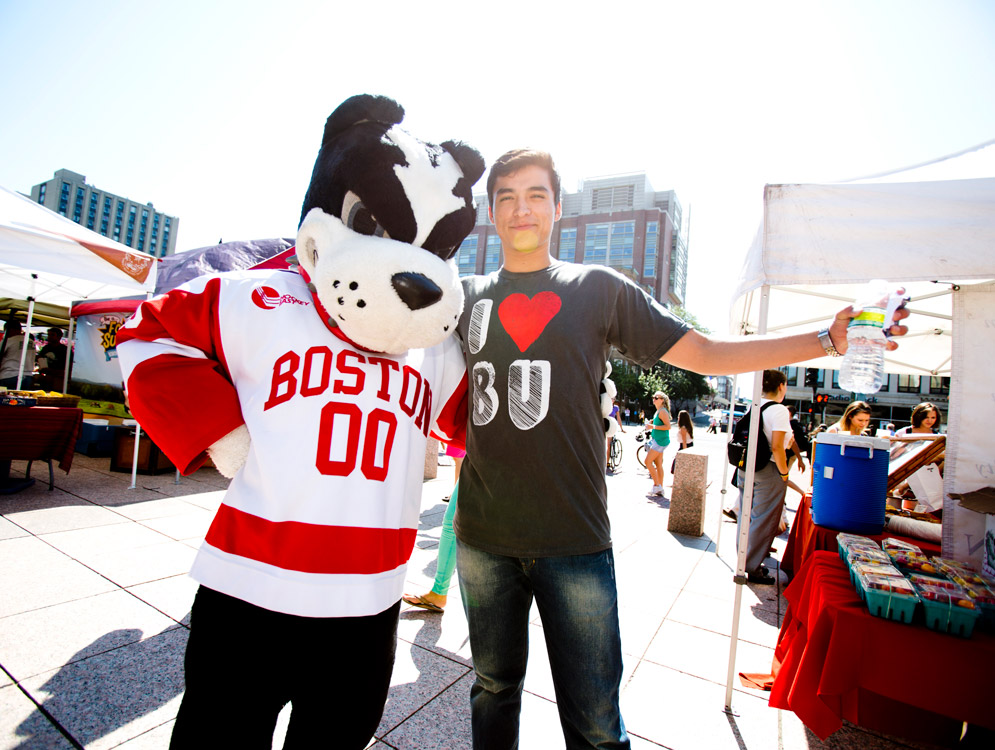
(806, 537)
(835, 661)
(40, 433)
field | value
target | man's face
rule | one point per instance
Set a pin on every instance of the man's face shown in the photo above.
(524, 212)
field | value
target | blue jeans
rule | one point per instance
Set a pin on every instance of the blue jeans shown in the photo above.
(578, 604)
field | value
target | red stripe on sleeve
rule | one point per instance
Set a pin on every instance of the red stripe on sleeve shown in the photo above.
(450, 427)
(310, 548)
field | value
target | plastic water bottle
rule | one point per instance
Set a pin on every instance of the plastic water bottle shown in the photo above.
(862, 370)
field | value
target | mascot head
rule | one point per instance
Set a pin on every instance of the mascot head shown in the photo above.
(382, 220)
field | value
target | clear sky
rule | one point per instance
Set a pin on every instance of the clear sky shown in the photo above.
(214, 110)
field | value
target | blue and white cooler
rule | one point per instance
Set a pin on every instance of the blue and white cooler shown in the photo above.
(850, 482)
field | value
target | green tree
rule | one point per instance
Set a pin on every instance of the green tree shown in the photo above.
(690, 319)
(678, 384)
(627, 384)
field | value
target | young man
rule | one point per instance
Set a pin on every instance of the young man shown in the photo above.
(532, 520)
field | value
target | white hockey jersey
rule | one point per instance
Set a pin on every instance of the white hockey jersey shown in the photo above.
(322, 518)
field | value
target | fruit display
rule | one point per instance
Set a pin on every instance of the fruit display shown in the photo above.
(914, 562)
(896, 577)
(898, 545)
(889, 583)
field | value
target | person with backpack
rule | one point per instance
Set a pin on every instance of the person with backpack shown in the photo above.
(771, 476)
(800, 445)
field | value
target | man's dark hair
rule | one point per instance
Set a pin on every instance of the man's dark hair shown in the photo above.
(772, 380)
(511, 161)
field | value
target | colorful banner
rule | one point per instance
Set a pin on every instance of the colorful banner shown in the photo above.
(95, 355)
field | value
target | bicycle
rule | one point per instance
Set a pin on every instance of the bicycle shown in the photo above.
(615, 455)
(643, 439)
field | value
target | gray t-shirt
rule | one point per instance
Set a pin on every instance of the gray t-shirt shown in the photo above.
(533, 482)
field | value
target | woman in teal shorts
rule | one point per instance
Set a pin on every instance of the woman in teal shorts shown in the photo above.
(659, 440)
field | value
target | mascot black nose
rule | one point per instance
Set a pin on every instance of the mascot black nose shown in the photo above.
(415, 290)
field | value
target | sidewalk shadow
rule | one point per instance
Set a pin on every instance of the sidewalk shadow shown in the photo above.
(93, 697)
(430, 709)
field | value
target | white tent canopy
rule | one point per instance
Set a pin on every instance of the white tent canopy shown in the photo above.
(55, 260)
(45, 257)
(820, 243)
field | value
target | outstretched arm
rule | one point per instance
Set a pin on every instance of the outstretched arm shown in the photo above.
(709, 355)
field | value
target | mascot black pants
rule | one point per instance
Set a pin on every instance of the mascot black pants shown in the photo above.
(243, 664)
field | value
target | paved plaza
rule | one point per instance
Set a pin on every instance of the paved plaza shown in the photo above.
(94, 613)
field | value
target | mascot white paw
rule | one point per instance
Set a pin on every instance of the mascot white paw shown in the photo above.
(229, 453)
(608, 392)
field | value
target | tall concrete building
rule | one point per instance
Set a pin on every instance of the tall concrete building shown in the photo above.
(618, 221)
(137, 225)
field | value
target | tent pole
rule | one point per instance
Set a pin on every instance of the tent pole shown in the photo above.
(69, 355)
(747, 506)
(138, 433)
(27, 332)
(725, 465)
(134, 458)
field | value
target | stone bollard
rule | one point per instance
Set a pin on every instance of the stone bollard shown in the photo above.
(431, 459)
(687, 499)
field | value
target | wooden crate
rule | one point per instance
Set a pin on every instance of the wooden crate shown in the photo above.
(151, 460)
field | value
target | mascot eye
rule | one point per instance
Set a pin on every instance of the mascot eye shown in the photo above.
(359, 218)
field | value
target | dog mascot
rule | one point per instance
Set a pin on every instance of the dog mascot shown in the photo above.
(314, 388)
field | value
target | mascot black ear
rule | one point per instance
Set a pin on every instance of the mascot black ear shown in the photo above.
(470, 162)
(361, 108)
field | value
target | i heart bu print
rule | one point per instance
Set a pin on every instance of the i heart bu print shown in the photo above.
(525, 319)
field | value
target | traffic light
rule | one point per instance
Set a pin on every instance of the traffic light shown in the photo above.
(811, 377)
(822, 398)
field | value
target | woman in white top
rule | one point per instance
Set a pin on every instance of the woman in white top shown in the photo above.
(769, 481)
(925, 419)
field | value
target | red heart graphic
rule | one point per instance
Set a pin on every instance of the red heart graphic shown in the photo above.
(524, 319)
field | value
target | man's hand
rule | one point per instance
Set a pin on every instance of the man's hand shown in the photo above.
(837, 331)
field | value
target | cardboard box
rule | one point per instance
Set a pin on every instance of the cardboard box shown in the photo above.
(151, 460)
(983, 501)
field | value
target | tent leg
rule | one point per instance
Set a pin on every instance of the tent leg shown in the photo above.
(725, 465)
(134, 459)
(27, 336)
(734, 641)
(745, 511)
(69, 356)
